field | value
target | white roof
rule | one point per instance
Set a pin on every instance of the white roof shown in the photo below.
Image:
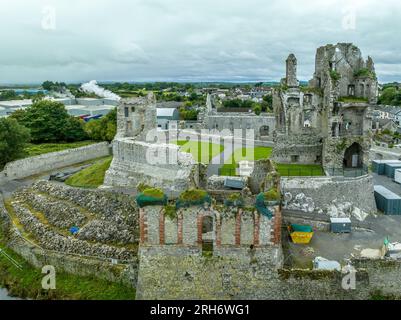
(15, 103)
(386, 193)
(76, 106)
(340, 220)
(165, 112)
(101, 107)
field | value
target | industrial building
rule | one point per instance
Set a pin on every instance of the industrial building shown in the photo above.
(76, 107)
(165, 116)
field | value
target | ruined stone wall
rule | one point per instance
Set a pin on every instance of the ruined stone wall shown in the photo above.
(50, 161)
(245, 274)
(244, 121)
(328, 195)
(135, 162)
(334, 150)
(230, 227)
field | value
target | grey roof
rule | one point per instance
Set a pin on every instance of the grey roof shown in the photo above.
(166, 112)
(386, 193)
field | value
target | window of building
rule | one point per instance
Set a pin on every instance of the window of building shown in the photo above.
(132, 109)
(351, 90)
(126, 112)
(294, 158)
(128, 127)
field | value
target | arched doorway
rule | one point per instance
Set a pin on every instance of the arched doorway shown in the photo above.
(353, 157)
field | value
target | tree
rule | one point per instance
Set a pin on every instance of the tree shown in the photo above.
(390, 96)
(13, 138)
(48, 121)
(257, 109)
(103, 129)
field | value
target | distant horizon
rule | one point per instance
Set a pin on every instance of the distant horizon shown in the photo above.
(37, 84)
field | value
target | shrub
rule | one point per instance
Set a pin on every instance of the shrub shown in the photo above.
(151, 197)
(154, 193)
(170, 212)
(234, 200)
(141, 187)
(335, 76)
(272, 195)
(193, 197)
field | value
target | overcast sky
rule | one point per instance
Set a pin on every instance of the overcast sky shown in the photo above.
(188, 40)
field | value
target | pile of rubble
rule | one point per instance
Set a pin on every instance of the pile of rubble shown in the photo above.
(58, 213)
(335, 209)
(50, 240)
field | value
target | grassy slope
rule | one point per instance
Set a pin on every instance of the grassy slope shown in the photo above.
(198, 149)
(251, 154)
(26, 283)
(37, 149)
(91, 177)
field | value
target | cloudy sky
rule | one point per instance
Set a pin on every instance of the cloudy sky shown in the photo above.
(188, 40)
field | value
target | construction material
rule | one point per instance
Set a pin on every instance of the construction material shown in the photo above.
(300, 234)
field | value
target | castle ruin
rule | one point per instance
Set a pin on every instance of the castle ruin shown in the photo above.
(327, 122)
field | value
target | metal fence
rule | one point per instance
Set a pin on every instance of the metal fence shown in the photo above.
(301, 172)
(309, 172)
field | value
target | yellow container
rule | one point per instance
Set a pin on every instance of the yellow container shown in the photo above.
(300, 237)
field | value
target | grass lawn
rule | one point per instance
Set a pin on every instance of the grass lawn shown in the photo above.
(250, 154)
(299, 170)
(90, 177)
(198, 149)
(38, 149)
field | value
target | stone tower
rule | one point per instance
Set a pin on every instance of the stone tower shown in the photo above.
(291, 71)
(136, 116)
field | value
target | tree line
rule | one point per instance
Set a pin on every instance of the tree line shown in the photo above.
(49, 122)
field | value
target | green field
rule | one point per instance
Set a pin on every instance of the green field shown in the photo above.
(199, 150)
(38, 149)
(250, 154)
(90, 177)
(299, 170)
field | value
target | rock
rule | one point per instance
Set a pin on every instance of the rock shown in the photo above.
(359, 214)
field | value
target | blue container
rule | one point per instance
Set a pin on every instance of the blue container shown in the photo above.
(390, 169)
(340, 225)
(387, 201)
(379, 166)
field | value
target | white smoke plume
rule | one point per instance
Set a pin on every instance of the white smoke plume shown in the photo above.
(93, 87)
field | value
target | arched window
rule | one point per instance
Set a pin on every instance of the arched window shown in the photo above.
(264, 131)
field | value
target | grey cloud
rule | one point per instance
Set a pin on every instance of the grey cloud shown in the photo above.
(143, 40)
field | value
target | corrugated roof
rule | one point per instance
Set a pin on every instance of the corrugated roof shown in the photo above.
(386, 192)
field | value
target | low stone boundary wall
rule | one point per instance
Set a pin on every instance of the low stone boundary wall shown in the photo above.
(46, 162)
